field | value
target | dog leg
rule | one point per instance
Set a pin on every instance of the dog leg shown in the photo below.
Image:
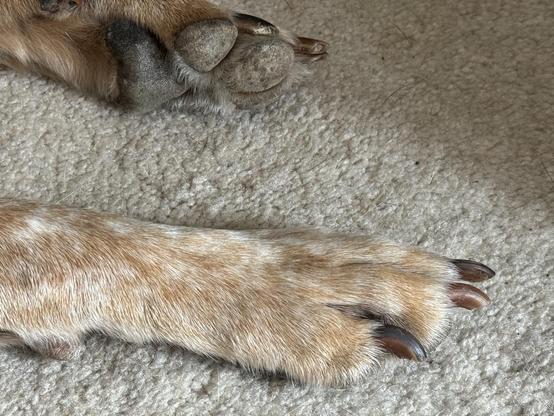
(320, 307)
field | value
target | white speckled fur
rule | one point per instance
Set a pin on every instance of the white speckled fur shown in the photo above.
(263, 299)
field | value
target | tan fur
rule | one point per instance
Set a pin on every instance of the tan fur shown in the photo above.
(64, 45)
(281, 301)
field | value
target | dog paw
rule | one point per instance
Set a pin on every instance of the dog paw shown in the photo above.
(244, 62)
(340, 303)
(214, 65)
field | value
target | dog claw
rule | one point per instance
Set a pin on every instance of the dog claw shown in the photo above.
(307, 46)
(401, 343)
(473, 271)
(254, 25)
(467, 296)
(257, 26)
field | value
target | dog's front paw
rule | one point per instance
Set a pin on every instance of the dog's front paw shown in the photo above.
(335, 304)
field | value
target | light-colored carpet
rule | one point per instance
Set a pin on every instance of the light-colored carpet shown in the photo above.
(432, 123)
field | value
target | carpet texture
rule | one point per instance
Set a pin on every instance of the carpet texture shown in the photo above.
(431, 123)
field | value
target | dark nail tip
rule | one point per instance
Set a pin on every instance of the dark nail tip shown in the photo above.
(311, 46)
(473, 271)
(467, 296)
(400, 342)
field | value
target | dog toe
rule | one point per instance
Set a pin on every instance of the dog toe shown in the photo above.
(203, 45)
(257, 65)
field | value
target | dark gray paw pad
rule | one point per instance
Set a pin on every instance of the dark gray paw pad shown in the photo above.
(124, 36)
(259, 64)
(145, 75)
(204, 44)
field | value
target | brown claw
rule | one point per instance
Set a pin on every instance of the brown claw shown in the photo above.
(257, 26)
(467, 296)
(254, 25)
(307, 46)
(400, 342)
(473, 271)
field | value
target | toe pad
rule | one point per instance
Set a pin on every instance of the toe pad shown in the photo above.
(203, 45)
(258, 65)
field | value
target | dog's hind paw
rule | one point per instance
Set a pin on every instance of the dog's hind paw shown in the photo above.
(215, 65)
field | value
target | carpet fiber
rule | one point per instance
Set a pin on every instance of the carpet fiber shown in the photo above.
(431, 123)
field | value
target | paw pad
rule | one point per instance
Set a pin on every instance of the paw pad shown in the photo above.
(258, 65)
(203, 45)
